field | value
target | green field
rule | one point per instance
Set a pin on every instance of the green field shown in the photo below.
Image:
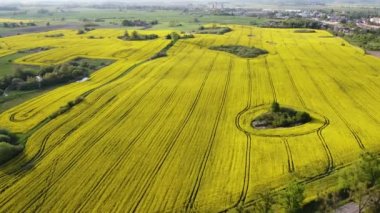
(113, 17)
(6, 63)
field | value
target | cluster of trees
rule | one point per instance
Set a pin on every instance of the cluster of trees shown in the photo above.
(24, 79)
(359, 183)
(135, 36)
(242, 51)
(138, 23)
(21, 24)
(290, 199)
(214, 29)
(9, 145)
(85, 30)
(175, 36)
(281, 117)
(293, 23)
(367, 39)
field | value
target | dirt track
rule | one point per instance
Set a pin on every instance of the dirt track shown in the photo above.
(374, 53)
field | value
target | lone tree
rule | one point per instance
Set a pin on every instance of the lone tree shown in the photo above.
(126, 34)
(135, 35)
(275, 107)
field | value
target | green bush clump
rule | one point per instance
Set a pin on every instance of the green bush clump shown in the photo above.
(214, 30)
(278, 117)
(242, 51)
(176, 36)
(135, 36)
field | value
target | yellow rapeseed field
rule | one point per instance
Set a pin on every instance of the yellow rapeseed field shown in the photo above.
(173, 134)
(11, 20)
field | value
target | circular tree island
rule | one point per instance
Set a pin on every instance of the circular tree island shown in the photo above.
(280, 117)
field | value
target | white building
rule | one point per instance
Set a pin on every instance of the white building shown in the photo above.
(375, 20)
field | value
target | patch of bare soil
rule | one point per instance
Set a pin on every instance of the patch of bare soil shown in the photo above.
(348, 208)
(374, 53)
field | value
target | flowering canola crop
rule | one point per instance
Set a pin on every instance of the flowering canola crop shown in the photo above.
(171, 134)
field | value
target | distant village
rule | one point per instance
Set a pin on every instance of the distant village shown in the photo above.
(339, 21)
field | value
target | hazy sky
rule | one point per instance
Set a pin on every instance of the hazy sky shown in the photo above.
(177, 1)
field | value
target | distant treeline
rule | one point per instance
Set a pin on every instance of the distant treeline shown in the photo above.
(21, 24)
(293, 23)
(8, 8)
(138, 23)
